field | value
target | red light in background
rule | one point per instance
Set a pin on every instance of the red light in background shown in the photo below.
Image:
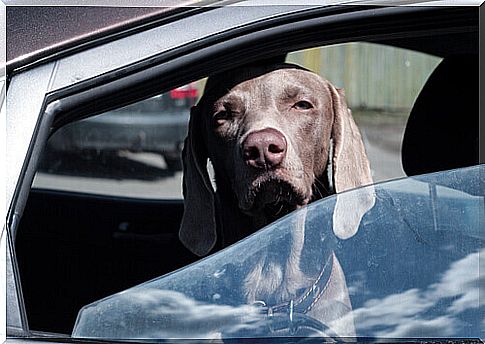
(183, 92)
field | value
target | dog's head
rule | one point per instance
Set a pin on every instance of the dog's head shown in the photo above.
(268, 131)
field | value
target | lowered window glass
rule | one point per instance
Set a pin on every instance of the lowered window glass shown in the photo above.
(398, 259)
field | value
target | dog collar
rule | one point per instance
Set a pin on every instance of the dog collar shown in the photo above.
(291, 315)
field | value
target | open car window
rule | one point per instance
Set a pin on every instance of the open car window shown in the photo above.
(135, 151)
(409, 269)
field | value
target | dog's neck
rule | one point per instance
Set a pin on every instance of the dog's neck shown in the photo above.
(232, 224)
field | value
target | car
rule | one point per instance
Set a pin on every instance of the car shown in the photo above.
(158, 124)
(91, 232)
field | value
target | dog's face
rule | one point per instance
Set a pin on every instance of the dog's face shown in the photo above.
(268, 139)
(267, 131)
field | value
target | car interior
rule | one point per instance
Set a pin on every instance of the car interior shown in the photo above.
(73, 248)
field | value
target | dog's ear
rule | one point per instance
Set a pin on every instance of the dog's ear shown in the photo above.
(198, 227)
(351, 169)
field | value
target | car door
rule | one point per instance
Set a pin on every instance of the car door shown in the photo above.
(68, 88)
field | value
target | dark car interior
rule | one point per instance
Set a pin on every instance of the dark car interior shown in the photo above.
(442, 134)
(75, 248)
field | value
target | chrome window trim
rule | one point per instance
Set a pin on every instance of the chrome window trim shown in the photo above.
(176, 3)
(22, 115)
(16, 320)
(3, 283)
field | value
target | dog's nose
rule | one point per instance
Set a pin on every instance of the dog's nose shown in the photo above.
(264, 148)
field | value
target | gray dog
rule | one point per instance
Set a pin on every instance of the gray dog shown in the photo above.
(279, 137)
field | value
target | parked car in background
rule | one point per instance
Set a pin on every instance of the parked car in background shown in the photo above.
(91, 240)
(158, 124)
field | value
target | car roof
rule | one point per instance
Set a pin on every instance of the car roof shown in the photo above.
(38, 29)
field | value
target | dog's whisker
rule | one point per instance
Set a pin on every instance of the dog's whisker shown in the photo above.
(318, 190)
(322, 185)
(279, 211)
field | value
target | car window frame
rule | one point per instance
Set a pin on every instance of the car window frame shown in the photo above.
(141, 79)
(118, 87)
(79, 93)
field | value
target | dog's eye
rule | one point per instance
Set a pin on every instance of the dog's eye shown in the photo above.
(220, 117)
(302, 105)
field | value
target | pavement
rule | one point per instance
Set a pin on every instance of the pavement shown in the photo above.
(140, 175)
(382, 137)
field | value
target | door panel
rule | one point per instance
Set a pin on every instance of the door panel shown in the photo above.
(74, 248)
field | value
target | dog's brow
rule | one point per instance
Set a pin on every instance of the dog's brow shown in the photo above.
(291, 91)
(232, 100)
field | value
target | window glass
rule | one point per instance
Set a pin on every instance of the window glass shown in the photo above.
(381, 84)
(409, 268)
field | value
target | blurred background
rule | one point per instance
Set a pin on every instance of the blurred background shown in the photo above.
(381, 84)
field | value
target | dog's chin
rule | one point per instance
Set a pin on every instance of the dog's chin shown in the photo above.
(272, 199)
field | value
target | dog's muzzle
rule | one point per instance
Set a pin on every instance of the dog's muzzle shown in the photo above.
(273, 197)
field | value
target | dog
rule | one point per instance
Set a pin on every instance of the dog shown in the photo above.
(278, 137)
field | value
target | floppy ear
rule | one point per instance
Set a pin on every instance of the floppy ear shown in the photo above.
(198, 227)
(351, 169)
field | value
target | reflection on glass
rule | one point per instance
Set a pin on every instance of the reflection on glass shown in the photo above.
(409, 269)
